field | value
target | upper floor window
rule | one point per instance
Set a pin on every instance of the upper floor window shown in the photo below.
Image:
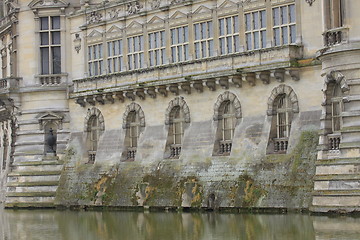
(115, 56)
(336, 108)
(135, 52)
(157, 53)
(334, 13)
(176, 131)
(95, 62)
(229, 35)
(204, 42)
(255, 30)
(50, 45)
(180, 44)
(284, 28)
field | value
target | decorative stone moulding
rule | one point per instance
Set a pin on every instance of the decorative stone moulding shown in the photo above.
(310, 2)
(186, 85)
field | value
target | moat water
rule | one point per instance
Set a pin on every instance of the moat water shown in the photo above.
(97, 225)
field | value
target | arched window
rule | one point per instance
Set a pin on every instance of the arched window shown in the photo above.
(93, 137)
(336, 109)
(177, 117)
(5, 150)
(227, 113)
(132, 134)
(283, 110)
(282, 104)
(226, 126)
(176, 131)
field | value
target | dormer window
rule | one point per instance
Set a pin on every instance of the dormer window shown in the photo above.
(50, 45)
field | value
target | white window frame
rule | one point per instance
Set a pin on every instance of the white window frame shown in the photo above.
(157, 48)
(179, 44)
(229, 36)
(50, 32)
(135, 54)
(95, 59)
(115, 56)
(255, 29)
(204, 39)
(284, 24)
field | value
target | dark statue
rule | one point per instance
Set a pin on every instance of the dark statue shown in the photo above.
(51, 141)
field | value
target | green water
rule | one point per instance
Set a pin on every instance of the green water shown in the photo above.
(89, 225)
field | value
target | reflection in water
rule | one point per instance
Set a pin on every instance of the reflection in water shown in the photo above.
(69, 225)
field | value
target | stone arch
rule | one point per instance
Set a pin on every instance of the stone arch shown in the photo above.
(227, 96)
(137, 108)
(178, 101)
(331, 79)
(282, 89)
(94, 112)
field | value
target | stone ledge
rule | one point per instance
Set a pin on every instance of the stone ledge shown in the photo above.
(336, 177)
(337, 161)
(30, 194)
(32, 184)
(30, 205)
(334, 193)
(34, 173)
(38, 163)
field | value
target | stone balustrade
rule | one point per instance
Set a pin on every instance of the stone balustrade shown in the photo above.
(335, 36)
(280, 145)
(9, 84)
(52, 79)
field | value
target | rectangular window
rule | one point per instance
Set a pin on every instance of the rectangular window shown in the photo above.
(204, 42)
(335, 14)
(50, 45)
(229, 35)
(255, 30)
(284, 25)
(135, 52)
(115, 56)
(95, 59)
(179, 44)
(157, 48)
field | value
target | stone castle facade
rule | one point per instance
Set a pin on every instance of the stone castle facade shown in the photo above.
(181, 103)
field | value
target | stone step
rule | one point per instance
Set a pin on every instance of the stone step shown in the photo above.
(33, 178)
(29, 205)
(338, 161)
(34, 173)
(336, 177)
(31, 194)
(38, 163)
(37, 168)
(352, 192)
(342, 209)
(32, 184)
(30, 199)
(51, 188)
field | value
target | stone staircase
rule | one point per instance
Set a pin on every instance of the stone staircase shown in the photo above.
(33, 184)
(337, 185)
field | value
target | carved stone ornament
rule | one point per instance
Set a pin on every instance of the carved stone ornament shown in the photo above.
(176, 1)
(77, 42)
(114, 13)
(155, 4)
(94, 17)
(310, 2)
(35, 4)
(50, 117)
(134, 7)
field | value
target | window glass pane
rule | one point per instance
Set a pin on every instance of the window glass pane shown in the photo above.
(181, 35)
(248, 41)
(44, 23)
(130, 45)
(276, 16)
(203, 30)
(100, 51)
(228, 25)
(44, 38)
(203, 49)
(186, 48)
(256, 40)
(180, 53)
(141, 43)
(55, 24)
(293, 33)
(292, 13)
(248, 21)
(236, 44)
(236, 24)
(263, 19)
(197, 50)
(197, 31)
(110, 51)
(222, 45)
(211, 48)
(221, 26)
(210, 30)
(229, 44)
(186, 34)
(44, 60)
(263, 39)
(277, 36)
(285, 35)
(56, 60)
(173, 36)
(116, 48)
(55, 37)
(284, 15)
(256, 20)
